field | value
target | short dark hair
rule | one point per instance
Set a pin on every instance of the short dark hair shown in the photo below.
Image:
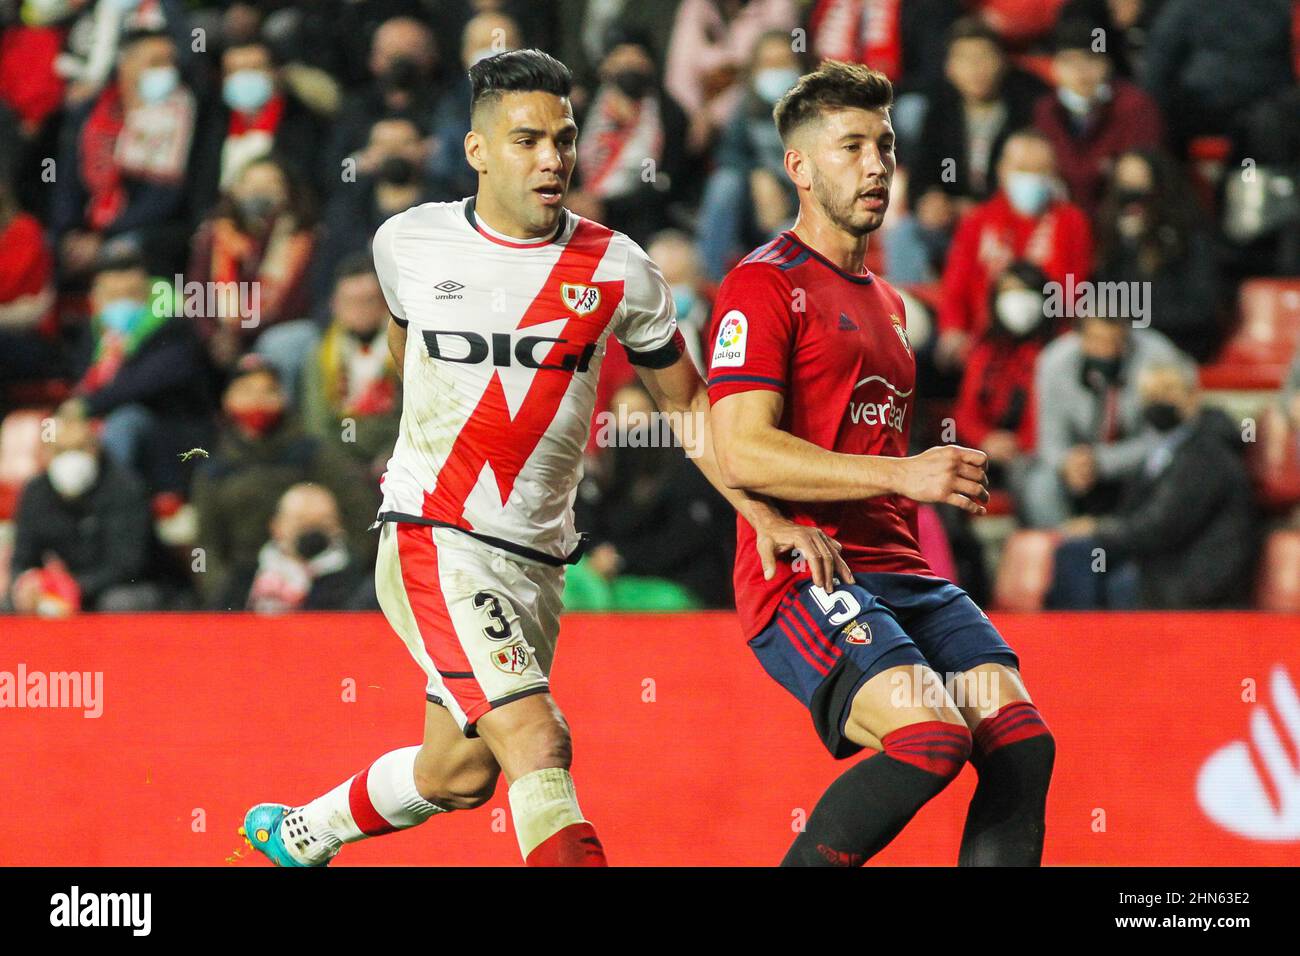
(354, 264)
(833, 86)
(1074, 33)
(517, 71)
(973, 28)
(119, 257)
(274, 53)
(131, 37)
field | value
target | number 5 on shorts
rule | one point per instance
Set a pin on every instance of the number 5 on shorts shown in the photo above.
(847, 604)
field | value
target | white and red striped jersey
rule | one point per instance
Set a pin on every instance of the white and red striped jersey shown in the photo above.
(504, 345)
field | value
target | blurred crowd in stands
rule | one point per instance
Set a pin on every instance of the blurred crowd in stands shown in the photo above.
(1095, 220)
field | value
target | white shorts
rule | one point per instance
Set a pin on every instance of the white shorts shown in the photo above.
(481, 623)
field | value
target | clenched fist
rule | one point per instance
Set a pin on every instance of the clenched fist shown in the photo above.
(947, 474)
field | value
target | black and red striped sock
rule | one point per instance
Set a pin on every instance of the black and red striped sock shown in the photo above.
(872, 801)
(1013, 755)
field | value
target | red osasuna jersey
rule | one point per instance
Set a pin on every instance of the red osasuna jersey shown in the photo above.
(835, 346)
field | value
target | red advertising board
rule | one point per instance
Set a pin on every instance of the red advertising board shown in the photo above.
(1177, 739)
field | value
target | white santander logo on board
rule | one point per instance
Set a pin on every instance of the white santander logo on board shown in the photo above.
(729, 347)
(1230, 789)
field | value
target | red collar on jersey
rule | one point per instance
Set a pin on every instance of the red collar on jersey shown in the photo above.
(473, 222)
(864, 278)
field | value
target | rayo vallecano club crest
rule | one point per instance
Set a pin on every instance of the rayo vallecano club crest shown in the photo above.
(902, 332)
(582, 299)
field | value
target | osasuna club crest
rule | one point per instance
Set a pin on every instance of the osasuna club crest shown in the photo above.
(902, 332)
(582, 299)
(858, 632)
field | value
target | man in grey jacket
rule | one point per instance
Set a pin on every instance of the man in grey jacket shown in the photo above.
(1091, 434)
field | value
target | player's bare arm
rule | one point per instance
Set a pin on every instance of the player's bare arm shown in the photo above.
(756, 455)
(680, 389)
(397, 344)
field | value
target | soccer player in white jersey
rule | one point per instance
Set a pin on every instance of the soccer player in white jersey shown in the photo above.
(501, 307)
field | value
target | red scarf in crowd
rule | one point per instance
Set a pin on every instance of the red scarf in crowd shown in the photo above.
(99, 170)
(860, 31)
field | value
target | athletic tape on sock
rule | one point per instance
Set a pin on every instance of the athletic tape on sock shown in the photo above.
(542, 803)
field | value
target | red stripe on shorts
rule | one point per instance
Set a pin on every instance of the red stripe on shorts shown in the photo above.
(418, 556)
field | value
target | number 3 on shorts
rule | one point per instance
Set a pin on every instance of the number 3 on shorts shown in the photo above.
(500, 628)
(840, 607)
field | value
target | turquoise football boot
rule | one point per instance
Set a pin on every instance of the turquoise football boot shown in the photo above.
(261, 831)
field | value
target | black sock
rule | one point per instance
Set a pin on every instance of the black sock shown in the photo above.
(1006, 819)
(872, 801)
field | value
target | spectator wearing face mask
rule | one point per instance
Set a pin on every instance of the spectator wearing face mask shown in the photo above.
(96, 32)
(969, 119)
(449, 176)
(305, 565)
(255, 251)
(748, 197)
(1151, 231)
(632, 157)
(125, 160)
(351, 392)
(678, 260)
(258, 114)
(995, 403)
(711, 42)
(260, 454)
(1092, 116)
(392, 177)
(1091, 432)
(146, 377)
(1185, 533)
(1025, 219)
(405, 80)
(81, 532)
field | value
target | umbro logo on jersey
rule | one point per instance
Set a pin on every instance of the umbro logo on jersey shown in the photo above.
(448, 289)
(847, 324)
(1251, 787)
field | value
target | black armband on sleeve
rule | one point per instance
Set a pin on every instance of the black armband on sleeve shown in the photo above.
(662, 357)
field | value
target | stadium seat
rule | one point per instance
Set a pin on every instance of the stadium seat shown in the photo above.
(20, 443)
(1274, 461)
(1277, 582)
(1258, 353)
(1000, 504)
(1025, 572)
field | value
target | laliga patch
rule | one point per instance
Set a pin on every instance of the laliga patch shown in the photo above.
(582, 299)
(511, 659)
(857, 633)
(729, 347)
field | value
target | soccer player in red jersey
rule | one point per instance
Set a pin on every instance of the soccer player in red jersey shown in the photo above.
(811, 382)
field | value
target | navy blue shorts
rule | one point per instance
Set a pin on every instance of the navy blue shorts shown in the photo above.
(822, 647)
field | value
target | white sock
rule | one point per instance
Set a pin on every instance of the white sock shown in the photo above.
(542, 803)
(390, 801)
